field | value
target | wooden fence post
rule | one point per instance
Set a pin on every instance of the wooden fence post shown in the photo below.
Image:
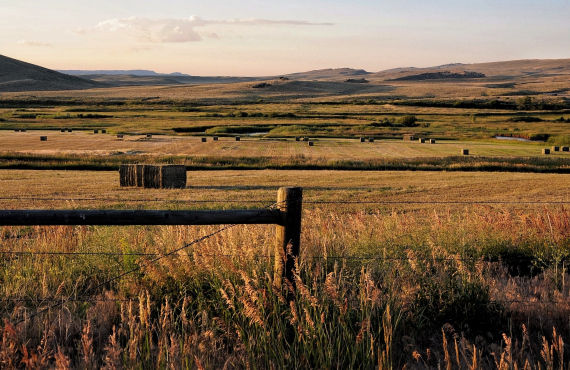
(288, 234)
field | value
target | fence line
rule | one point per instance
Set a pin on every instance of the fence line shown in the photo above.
(306, 201)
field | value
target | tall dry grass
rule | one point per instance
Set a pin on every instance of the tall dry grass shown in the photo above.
(215, 305)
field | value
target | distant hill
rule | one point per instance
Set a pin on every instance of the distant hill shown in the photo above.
(330, 74)
(129, 72)
(506, 69)
(440, 76)
(16, 75)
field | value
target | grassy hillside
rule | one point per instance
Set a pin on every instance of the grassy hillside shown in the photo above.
(16, 75)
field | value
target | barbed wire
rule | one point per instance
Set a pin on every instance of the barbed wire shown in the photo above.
(270, 256)
(137, 268)
(530, 302)
(306, 201)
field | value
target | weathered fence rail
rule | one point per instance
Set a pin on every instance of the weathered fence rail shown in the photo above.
(286, 215)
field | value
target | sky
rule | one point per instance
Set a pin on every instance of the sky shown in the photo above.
(267, 37)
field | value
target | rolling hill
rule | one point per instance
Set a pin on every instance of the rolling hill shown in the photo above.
(16, 75)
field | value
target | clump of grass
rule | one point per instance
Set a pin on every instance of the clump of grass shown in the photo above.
(401, 278)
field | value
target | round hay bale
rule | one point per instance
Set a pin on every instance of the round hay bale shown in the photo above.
(432, 141)
(43, 138)
(565, 149)
(62, 130)
(149, 136)
(127, 175)
(16, 130)
(371, 139)
(545, 151)
(173, 176)
(204, 139)
(103, 131)
(95, 131)
(555, 148)
(362, 139)
(139, 174)
(311, 143)
(464, 151)
(305, 139)
(238, 138)
(421, 140)
(297, 138)
(215, 138)
(23, 130)
(119, 136)
(69, 130)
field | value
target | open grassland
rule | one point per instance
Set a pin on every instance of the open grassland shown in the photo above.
(379, 284)
(82, 150)
(328, 149)
(287, 119)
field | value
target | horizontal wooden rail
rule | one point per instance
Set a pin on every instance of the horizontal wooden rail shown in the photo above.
(287, 217)
(139, 217)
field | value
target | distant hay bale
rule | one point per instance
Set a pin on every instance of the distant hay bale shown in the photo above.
(566, 149)
(311, 143)
(69, 130)
(139, 173)
(297, 138)
(545, 151)
(464, 151)
(215, 138)
(173, 176)
(43, 138)
(421, 140)
(362, 139)
(408, 137)
(23, 130)
(119, 136)
(204, 139)
(95, 131)
(16, 130)
(103, 131)
(305, 139)
(432, 141)
(555, 148)
(127, 175)
(238, 138)
(62, 130)
(371, 139)
(149, 136)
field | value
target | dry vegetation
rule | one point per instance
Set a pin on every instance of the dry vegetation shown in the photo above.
(425, 269)
(379, 285)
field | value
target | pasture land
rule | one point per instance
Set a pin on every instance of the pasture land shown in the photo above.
(376, 282)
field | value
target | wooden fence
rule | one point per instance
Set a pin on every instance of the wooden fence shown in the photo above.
(286, 216)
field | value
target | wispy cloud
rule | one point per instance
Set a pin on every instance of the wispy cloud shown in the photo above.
(34, 43)
(177, 30)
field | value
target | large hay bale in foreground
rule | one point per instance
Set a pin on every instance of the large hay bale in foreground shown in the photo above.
(127, 175)
(173, 176)
(151, 176)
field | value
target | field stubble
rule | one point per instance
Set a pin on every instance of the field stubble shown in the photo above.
(376, 282)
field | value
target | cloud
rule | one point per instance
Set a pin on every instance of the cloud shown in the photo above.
(178, 30)
(34, 43)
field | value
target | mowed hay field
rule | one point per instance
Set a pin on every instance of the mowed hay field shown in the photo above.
(472, 275)
(250, 146)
